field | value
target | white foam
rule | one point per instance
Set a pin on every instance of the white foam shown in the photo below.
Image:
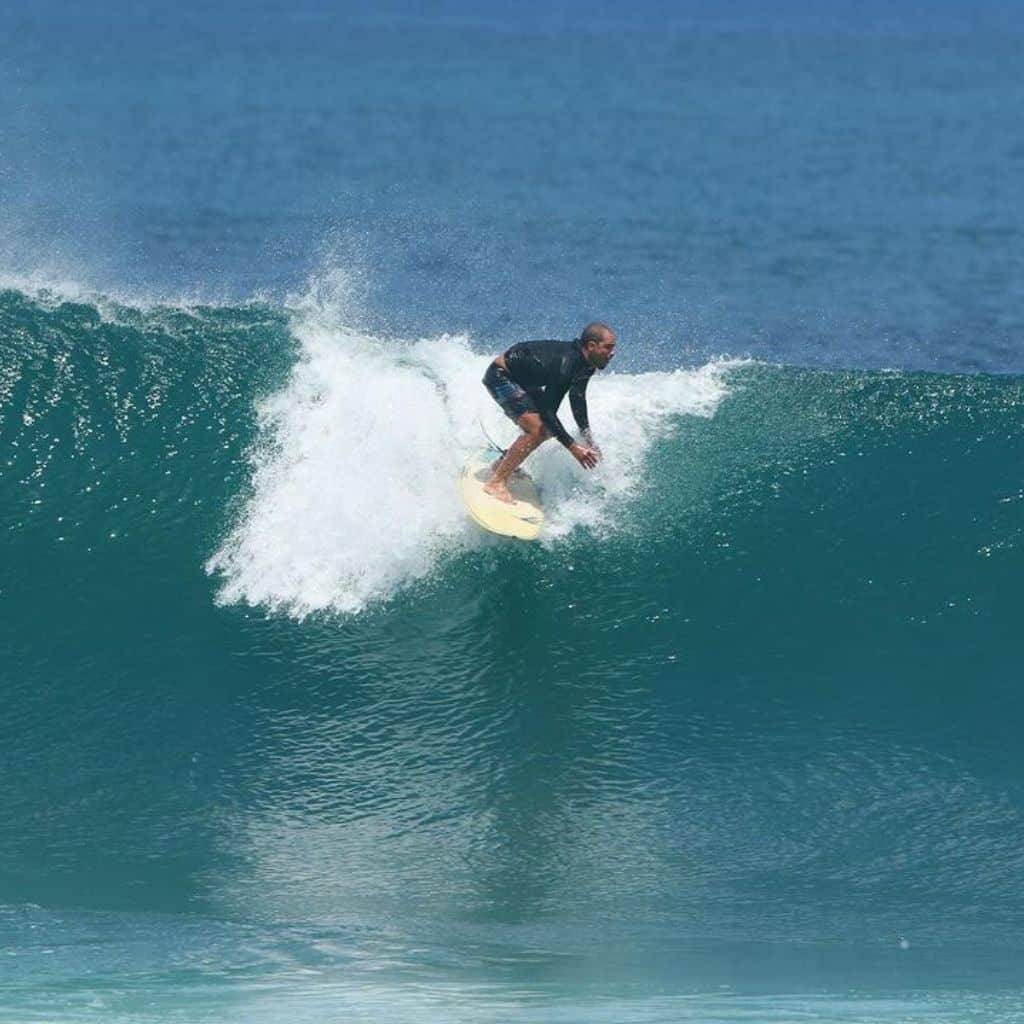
(48, 290)
(51, 289)
(629, 415)
(354, 475)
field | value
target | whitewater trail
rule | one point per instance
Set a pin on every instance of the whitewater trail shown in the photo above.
(353, 473)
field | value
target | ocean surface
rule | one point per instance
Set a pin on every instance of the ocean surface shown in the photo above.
(285, 738)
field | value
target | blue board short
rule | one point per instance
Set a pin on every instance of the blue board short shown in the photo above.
(514, 401)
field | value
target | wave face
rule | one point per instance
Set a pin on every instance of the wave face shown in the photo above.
(760, 681)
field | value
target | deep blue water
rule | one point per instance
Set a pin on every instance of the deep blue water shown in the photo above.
(283, 737)
(835, 184)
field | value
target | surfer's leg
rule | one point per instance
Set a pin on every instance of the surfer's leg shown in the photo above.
(519, 407)
(497, 462)
(534, 434)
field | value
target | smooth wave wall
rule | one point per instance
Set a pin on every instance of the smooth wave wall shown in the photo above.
(767, 658)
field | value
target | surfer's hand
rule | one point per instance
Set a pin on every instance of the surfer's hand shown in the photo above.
(586, 457)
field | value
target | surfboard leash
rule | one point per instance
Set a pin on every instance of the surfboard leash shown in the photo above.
(490, 440)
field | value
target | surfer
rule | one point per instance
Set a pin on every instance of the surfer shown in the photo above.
(529, 382)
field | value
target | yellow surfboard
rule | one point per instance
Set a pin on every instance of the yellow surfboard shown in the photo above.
(522, 518)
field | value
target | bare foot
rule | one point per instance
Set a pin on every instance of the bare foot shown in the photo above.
(497, 489)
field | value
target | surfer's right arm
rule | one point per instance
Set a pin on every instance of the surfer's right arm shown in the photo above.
(578, 402)
(588, 458)
(585, 455)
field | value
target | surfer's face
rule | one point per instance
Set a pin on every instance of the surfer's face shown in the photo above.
(599, 353)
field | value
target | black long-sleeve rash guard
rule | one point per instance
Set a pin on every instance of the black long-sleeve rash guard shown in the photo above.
(546, 370)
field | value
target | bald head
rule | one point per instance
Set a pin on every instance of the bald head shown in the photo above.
(597, 331)
(598, 343)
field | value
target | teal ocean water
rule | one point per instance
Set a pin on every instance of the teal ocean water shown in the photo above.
(286, 737)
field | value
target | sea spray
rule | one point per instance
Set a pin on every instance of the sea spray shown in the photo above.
(353, 473)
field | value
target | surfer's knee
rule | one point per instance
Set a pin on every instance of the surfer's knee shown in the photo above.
(533, 426)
